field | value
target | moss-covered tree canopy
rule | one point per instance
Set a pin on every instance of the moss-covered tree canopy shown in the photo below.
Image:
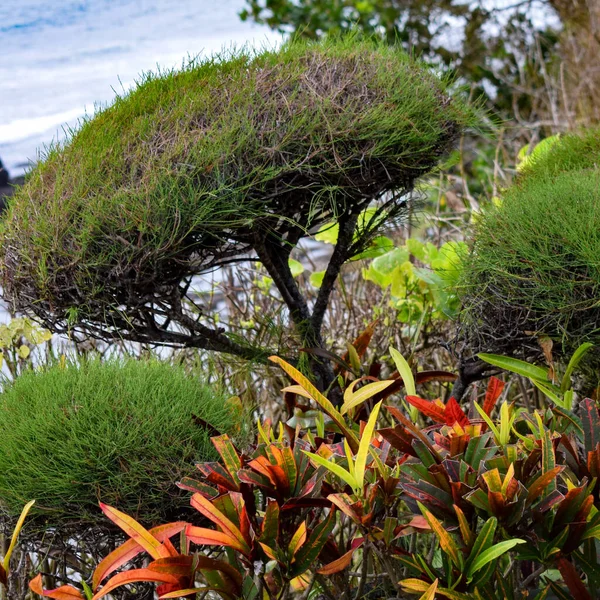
(535, 266)
(232, 155)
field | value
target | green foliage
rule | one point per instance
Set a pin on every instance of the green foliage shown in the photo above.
(420, 293)
(121, 432)
(534, 269)
(195, 167)
(17, 338)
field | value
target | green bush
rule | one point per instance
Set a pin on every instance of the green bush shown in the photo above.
(120, 432)
(535, 265)
(194, 168)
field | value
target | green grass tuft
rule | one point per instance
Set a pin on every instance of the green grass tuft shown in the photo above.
(119, 432)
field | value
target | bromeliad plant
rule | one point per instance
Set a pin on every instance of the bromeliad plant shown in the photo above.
(369, 500)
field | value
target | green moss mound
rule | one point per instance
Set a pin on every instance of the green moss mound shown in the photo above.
(120, 432)
(192, 167)
(535, 267)
(559, 154)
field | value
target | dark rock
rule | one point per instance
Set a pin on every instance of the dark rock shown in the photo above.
(7, 185)
(3, 175)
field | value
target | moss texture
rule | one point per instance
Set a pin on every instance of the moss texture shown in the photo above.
(120, 432)
(191, 167)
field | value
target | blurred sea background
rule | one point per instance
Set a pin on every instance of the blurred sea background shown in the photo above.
(61, 59)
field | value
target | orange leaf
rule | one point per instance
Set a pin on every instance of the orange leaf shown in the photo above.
(210, 537)
(135, 531)
(204, 506)
(340, 564)
(65, 592)
(134, 576)
(130, 549)
(298, 539)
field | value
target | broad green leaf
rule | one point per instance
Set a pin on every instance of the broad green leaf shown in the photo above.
(328, 233)
(316, 278)
(514, 365)
(295, 267)
(405, 372)
(491, 554)
(483, 541)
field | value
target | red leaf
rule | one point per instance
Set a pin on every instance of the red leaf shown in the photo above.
(572, 580)
(428, 408)
(494, 389)
(455, 414)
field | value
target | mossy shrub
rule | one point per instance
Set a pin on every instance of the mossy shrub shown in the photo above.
(535, 266)
(192, 166)
(562, 153)
(123, 432)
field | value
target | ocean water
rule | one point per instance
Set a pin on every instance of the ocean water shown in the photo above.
(59, 59)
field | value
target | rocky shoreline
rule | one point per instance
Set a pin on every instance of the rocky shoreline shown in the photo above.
(7, 185)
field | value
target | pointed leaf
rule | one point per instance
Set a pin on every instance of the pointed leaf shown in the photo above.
(307, 555)
(298, 539)
(16, 531)
(334, 468)
(572, 579)
(514, 365)
(339, 564)
(204, 506)
(65, 592)
(428, 408)
(209, 537)
(591, 424)
(492, 554)
(430, 591)
(320, 399)
(136, 532)
(483, 541)
(365, 443)
(130, 549)
(493, 392)
(134, 576)
(228, 454)
(353, 399)
(447, 544)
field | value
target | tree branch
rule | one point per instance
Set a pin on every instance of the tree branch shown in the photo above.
(347, 226)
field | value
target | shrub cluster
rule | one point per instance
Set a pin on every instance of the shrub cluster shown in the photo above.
(197, 167)
(471, 506)
(534, 269)
(120, 432)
